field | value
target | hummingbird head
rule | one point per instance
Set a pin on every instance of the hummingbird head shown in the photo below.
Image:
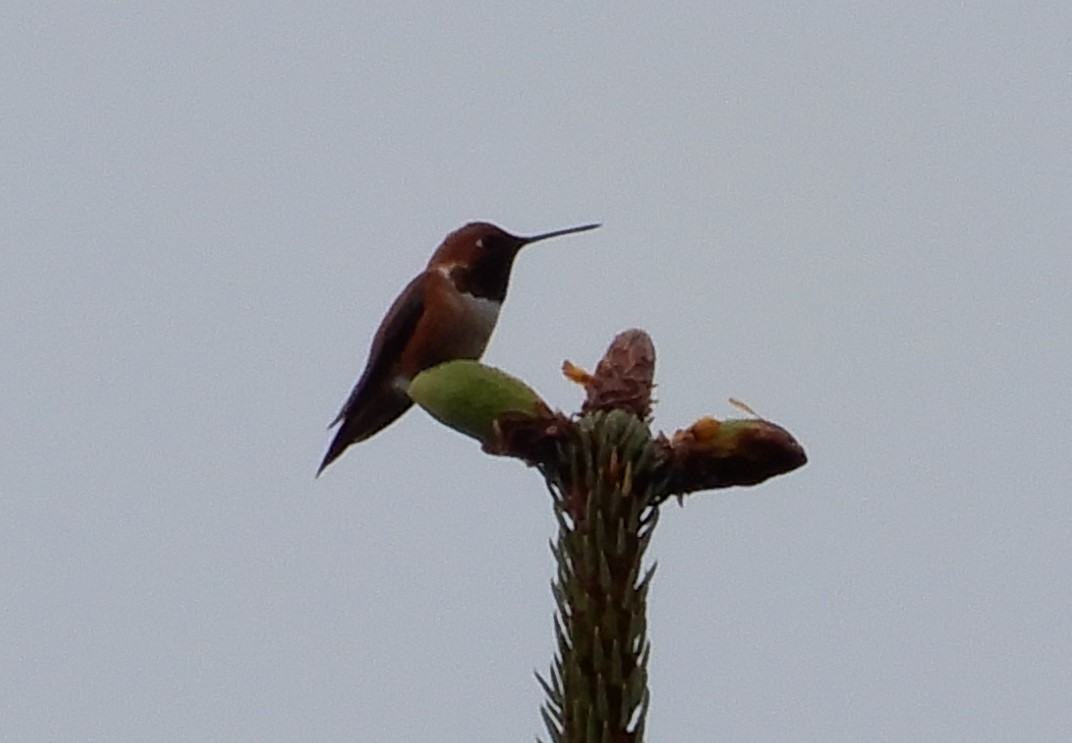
(478, 257)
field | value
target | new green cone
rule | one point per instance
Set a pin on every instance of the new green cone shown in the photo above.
(469, 397)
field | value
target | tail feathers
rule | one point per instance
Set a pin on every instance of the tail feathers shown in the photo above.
(360, 422)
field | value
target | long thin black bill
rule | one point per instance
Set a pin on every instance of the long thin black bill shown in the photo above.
(557, 233)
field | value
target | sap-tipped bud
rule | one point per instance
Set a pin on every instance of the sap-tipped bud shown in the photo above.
(719, 454)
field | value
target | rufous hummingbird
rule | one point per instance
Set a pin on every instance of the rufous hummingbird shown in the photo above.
(447, 312)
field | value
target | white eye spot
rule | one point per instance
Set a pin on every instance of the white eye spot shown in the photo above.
(480, 242)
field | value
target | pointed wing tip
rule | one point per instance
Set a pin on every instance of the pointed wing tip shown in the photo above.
(333, 453)
(330, 457)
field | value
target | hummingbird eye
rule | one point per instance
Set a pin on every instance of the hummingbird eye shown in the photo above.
(480, 242)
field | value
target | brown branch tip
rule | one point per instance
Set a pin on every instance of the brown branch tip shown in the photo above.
(708, 454)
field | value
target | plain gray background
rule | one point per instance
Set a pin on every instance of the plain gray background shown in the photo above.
(856, 219)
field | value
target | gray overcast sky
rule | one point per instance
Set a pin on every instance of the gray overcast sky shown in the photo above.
(856, 218)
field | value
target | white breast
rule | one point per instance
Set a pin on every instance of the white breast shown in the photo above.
(475, 319)
(484, 312)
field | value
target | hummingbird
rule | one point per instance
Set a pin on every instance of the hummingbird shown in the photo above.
(447, 312)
